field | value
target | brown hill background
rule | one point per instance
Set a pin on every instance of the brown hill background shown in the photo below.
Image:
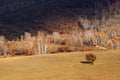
(19, 16)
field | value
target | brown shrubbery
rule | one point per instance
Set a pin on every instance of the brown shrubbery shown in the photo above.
(90, 58)
(60, 48)
(76, 41)
(66, 49)
(86, 48)
(18, 48)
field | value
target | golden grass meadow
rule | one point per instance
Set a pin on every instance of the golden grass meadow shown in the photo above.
(65, 66)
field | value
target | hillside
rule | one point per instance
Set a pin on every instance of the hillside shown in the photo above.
(61, 67)
(19, 16)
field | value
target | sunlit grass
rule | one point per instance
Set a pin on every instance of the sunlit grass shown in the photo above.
(63, 66)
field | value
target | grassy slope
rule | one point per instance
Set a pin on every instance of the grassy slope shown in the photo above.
(61, 67)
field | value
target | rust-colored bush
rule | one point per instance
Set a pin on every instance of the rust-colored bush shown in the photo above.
(86, 48)
(90, 57)
(18, 48)
(62, 49)
(53, 51)
(64, 42)
(66, 49)
(70, 49)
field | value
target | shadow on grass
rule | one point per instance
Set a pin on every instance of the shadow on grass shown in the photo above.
(85, 62)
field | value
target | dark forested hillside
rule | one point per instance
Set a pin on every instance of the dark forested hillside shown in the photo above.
(19, 16)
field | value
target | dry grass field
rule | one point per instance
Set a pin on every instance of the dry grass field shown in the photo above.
(65, 66)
